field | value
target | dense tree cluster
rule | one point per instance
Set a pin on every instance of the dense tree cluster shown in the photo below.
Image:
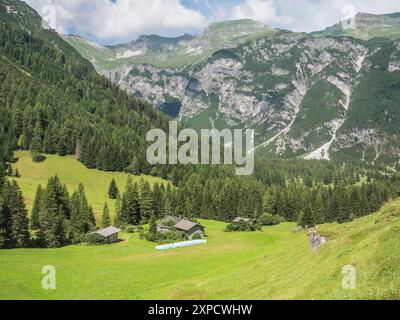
(306, 191)
(140, 203)
(56, 219)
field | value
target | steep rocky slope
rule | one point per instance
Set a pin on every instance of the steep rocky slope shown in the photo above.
(315, 96)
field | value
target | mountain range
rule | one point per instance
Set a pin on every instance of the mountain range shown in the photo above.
(332, 94)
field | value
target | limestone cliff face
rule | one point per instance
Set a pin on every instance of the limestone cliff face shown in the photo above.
(315, 96)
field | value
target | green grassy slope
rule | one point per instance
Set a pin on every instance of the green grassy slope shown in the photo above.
(274, 264)
(71, 172)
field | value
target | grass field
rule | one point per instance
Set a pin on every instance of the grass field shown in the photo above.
(274, 264)
(71, 172)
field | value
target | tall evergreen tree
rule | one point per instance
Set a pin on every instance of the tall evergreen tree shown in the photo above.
(130, 205)
(52, 227)
(36, 208)
(106, 220)
(147, 205)
(113, 191)
(5, 224)
(19, 216)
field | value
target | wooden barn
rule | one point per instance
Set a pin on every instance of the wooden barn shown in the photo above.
(108, 235)
(182, 225)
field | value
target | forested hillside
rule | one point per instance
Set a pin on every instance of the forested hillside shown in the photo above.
(53, 101)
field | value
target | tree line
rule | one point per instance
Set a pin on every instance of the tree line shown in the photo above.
(57, 219)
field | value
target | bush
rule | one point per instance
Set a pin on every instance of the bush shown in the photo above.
(242, 226)
(37, 157)
(168, 237)
(128, 228)
(196, 236)
(268, 219)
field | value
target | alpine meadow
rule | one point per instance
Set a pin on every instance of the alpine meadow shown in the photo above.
(85, 214)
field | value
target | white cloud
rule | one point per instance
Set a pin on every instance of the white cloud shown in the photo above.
(312, 15)
(261, 10)
(122, 19)
(302, 15)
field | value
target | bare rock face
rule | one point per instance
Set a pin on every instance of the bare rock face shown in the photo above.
(316, 240)
(318, 97)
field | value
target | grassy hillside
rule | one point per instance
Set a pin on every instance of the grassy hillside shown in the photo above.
(274, 264)
(71, 172)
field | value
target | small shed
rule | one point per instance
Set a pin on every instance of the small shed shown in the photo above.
(109, 235)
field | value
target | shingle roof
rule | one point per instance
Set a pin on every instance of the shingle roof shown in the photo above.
(107, 232)
(239, 219)
(185, 225)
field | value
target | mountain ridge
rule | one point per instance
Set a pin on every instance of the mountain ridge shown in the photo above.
(303, 93)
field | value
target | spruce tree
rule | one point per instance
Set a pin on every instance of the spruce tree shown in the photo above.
(78, 221)
(5, 224)
(130, 206)
(307, 218)
(106, 220)
(158, 200)
(117, 219)
(52, 224)
(146, 201)
(153, 225)
(319, 210)
(36, 208)
(113, 191)
(19, 217)
(86, 210)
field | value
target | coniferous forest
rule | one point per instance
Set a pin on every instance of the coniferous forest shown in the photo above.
(52, 101)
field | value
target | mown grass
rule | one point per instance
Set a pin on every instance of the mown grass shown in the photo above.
(274, 264)
(71, 172)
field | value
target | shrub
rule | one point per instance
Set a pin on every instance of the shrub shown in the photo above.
(268, 219)
(37, 157)
(242, 226)
(130, 229)
(196, 236)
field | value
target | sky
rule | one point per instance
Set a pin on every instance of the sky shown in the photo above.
(119, 21)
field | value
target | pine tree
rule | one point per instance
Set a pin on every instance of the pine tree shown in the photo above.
(5, 224)
(36, 208)
(307, 217)
(117, 219)
(130, 206)
(146, 201)
(153, 225)
(269, 202)
(113, 191)
(319, 209)
(158, 200)
(52, 231)
(106, 220)
(86, 210)
(36, 143)
(19, 217)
